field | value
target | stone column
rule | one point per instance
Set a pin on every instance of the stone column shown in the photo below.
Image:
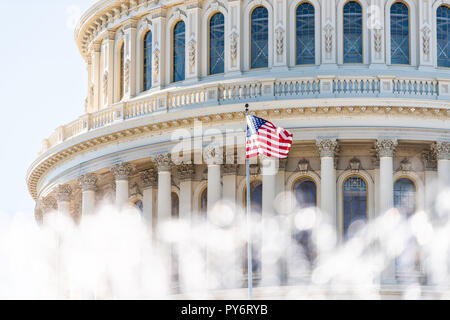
(159, 43)
(95, 86)
(269, 168)
(164, 164)
(214, 159)
(386, 149)
(149, 184)
(442, 151)
(229, 184)
(327, 150)
(108, 72)
(88, 184)
(193, 40)
(122, 173)
(64, 196)
(130, 59)
(186, 174)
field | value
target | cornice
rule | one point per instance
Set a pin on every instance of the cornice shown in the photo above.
(74, 146)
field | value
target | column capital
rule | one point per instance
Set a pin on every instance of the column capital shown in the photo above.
(230, 169)
(122, 171)
(48, 203)
(149, 178)
(386, 147)
(327, 147)
(163, 162)
(186, 171)
(88, 182)
(64, 193)
(442, 150)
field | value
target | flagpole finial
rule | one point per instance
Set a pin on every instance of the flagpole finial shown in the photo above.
(246, 107)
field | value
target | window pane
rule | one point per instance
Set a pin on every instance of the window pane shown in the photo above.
(148, 61)
(399, 34)
(355, 201)
(260, 38)
(305, 34)
(305, 194)
(353, 49)
(443, 37)
(405, 196)
(179, 52)
(217, 44)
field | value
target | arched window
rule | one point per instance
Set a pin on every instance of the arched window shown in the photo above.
(204, 203)
(175, 206)
(139, 206)
(443, 36)
(353, 41)
(305, 37)
(405, 196)
(179, 52)
(121, 70)
(259, 38)
(355, 201)
(256, 209)
(217, 44)
(148, 61)
(399, 33)
(305, 191)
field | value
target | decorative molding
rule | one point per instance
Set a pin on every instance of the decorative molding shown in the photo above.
(378, 39)
(327, 147)
(163, 162)
(405, 166)
(303, 166)
(354, 165)
(426, 39)
(280, 40)
(442, 150)
(386, 147)
(230, 169)
(88, 182)
(328, 34)
(64, 193)
(234, 37)
(149, 178)
(122, 171)
(186, 171)
(135, 191)
(192, 52)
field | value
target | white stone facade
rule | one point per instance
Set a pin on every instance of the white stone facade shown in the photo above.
(374, 120)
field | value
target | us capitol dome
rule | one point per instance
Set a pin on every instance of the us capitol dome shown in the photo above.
(363, 86)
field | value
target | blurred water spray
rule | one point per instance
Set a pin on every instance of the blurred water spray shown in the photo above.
(111, 255)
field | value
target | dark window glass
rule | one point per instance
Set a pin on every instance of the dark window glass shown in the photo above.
(148, 61)
(355, 202)
(179, 52)
(217, 44)
(260, 38)
(399, 33)
(305, 193)
(353, 46)
(405, 196)
(204, 203)
(121, 70)
(443, 36)
(305, 39)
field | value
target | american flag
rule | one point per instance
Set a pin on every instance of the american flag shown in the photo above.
(264, 138)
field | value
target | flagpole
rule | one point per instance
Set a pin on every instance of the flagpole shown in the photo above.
(249, 225)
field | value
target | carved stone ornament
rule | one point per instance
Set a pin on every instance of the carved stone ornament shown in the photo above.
(429, 159)
(122, 171)
(255, 170)
(135, 191)
(426, 38)
(127, 75)
(355, 165)
(328, 37)
(48, 204)
(386, 147)
(405, 165)
(88, 182)
(327, 147)
(213, 154)
(303, 166)
(230, 169)
(156, 62)
(442, 150)
(234, 45)
(378, 37)
(186, 171)
(191, 50)
(163, 162)
(64, 193)
(149, 178)
(280, 40)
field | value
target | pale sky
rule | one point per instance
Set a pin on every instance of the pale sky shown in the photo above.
(42, 86)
